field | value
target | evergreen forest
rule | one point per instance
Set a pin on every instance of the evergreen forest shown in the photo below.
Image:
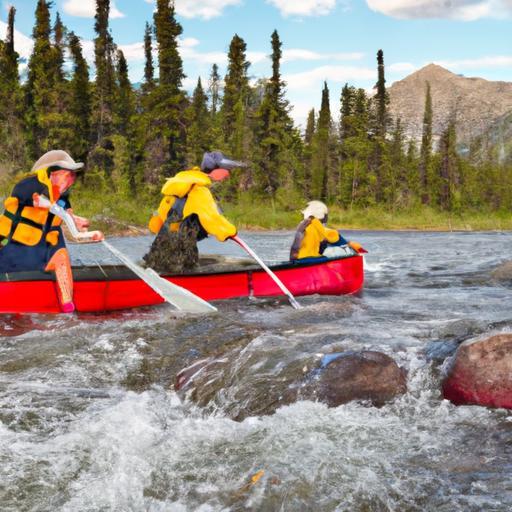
(357, 159)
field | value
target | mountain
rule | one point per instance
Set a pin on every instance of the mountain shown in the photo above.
(477, 104)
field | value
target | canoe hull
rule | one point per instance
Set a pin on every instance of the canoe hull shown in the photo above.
(110, 291)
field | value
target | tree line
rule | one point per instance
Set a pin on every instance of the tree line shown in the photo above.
(134, 137)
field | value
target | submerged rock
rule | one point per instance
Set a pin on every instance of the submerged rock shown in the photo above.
(503, 273)
(253, 388)
(366, 375)
(480, 373)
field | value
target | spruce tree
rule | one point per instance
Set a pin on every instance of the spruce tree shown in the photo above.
(273, 124)
(80, 102)
(309, 136)
(168, 102)
(214, 89)
(12, 140)
(124, 101)
(322, 156)
(380, 165)
(199, 132)
(149, 69)
(449, 177)
(40, 81)
(236, 85)
(426, 149)
(102, 116)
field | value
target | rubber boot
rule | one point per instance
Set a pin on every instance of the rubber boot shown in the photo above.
(61, 265)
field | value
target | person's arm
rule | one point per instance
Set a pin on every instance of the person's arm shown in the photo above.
(201, 202)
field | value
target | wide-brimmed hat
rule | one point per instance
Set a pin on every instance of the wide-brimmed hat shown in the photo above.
(57, 158)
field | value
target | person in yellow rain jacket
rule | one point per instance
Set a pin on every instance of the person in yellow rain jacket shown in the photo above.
(30, 233)
(314, 240)
(188, 213)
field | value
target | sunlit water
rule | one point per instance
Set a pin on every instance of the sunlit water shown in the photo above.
(89, 420)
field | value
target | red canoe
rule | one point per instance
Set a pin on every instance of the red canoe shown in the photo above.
(108, 288)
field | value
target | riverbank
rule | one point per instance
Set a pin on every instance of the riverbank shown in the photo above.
(131, 219)
(122, 215)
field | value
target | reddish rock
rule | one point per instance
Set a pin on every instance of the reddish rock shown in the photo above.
(365, 375)
(480, 373)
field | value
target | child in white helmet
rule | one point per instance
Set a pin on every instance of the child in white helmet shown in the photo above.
(312, 235)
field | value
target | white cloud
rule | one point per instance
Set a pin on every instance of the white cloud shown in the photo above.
(22, 44)
(296, 54)
(465, 10)
(496, 61)
(402, 67)
(205, 9)
(87, 9)
(304, 7)
(313, 78)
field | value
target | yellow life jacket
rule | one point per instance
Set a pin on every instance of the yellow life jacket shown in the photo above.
(310, 234)
(27, 224)
(193, 186)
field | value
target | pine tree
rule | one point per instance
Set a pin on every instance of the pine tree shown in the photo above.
(124, 101)
(168, 102)
(426, 149)
(322, 156)
(12, 141)
(149, 69)
(273, 128)
(449, 175)
(80, 102)
(236, 85)
(199, 132)
(309, 136)
(380, 164)
(40, 81)
(102, 116)
(355, 179)
(214, 89)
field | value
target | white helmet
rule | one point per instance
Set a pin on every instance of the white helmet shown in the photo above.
(315, 209)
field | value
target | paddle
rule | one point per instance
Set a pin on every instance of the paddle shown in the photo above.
(179, 297)
(276, 280)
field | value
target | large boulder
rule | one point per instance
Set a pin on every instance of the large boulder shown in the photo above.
(253, 390)
(366, 375)
(480, 373)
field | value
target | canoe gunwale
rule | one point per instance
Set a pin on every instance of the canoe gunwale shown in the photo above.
(120, 273)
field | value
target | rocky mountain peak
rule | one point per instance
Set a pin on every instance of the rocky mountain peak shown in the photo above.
(474, 102)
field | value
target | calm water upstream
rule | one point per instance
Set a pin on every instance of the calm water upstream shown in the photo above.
(89, 420)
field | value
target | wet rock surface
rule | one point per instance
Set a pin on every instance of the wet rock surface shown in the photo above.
(367, 375)
(333, 379)
(503, 274)
(480, 373)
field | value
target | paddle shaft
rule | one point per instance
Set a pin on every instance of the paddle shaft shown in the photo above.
(260, 262)
(179, 297)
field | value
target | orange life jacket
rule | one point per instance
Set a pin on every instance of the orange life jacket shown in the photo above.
(28, 224)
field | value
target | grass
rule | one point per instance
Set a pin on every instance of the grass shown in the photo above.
(123, 214)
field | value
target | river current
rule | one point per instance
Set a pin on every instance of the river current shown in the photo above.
(89, 420)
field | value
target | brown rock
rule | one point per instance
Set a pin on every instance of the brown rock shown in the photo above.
(365, 375)
(503, 273)
(481, 373)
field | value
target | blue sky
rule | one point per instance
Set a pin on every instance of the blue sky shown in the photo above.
(333, 40)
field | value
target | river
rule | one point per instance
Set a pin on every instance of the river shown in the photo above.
(89, 420)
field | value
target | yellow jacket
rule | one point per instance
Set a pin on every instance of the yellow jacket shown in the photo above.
(314, 234)
(195, 185)
(25, 223)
